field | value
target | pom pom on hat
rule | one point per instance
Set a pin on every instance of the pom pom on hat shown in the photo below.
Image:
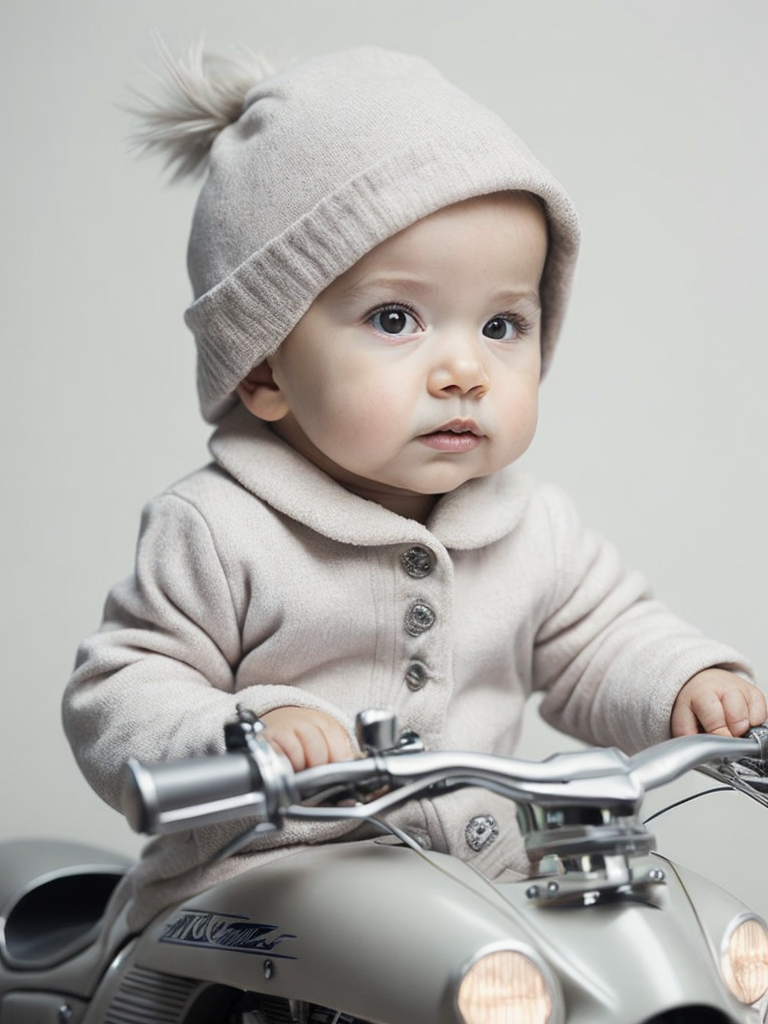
(199, 97)
(308, 170)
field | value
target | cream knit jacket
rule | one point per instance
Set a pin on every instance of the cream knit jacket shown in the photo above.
(260, 581)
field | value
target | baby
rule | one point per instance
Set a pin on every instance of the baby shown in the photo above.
(381, 270)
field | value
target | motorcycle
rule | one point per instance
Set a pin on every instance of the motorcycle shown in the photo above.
(382, 930)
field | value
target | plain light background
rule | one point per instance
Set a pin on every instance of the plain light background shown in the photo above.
(651, 113)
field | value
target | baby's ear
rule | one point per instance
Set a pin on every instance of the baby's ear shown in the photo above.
(261, 395)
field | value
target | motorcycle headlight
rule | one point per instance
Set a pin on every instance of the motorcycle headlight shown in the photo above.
(506, 986)
(745, 960)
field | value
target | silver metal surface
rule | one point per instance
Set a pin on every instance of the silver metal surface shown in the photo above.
(379, 931)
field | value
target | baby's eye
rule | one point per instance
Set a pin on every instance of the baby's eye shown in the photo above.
(504, 328)
(394, 321)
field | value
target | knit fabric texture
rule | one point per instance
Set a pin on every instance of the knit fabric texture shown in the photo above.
(328, 159)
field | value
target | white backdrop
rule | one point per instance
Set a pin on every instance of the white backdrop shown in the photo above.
(652, 113)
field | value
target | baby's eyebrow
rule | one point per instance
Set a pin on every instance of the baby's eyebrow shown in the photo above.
(407, 283)
(412, 285)
(526, 302)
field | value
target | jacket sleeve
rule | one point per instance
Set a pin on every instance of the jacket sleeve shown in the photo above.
(610, 658)
(159, 679)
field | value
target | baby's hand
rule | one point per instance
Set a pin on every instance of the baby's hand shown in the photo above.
(719, 702)
(306, 737)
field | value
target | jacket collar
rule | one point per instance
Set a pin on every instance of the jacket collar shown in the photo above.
(474, 515)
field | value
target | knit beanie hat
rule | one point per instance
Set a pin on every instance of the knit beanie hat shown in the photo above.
(320, 163)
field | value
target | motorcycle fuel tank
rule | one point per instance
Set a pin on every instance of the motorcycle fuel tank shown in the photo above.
(384, 933)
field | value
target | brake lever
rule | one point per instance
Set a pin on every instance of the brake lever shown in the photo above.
(747, 775)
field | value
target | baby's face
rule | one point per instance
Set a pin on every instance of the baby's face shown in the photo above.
(418, 369)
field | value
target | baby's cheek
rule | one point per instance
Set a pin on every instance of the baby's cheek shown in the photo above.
(361, 435)
(365, 435)
(375, 412)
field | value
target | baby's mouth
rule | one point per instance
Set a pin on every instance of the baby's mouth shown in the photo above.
(458, 435)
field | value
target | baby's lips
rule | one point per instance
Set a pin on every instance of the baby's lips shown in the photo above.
(458, 426)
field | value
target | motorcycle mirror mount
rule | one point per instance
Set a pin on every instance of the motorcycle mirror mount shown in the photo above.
(376, 732)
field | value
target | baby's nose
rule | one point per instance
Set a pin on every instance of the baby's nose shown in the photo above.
(459, 369)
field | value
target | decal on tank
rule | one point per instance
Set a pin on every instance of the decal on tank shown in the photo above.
(204, 929)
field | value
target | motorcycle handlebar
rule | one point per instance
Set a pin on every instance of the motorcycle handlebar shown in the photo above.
(260, 783)
(173, 795)
(668, 761)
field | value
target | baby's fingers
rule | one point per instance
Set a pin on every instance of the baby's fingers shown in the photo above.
(307, 737)
(323, 741)
(684, 721)
(742, 707)
(758, 709)
(717, 702)
(726, 714)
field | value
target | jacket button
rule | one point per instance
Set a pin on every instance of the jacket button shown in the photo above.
(419, 618)
(416, 676)
(480, 831)
(417, 562)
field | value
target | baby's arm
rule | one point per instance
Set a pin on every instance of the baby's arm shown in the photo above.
(613, 662)
(165, 672)
(307, 737)
(720, 702)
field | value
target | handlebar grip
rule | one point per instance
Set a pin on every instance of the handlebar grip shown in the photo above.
(168, 796)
